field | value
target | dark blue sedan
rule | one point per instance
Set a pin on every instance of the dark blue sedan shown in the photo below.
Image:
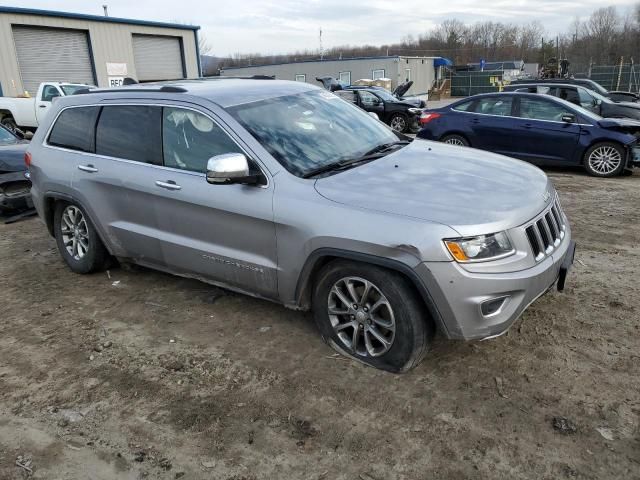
(540, 129)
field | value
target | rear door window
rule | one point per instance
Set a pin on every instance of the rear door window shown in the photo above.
(499, 106)
(464, 106)
(190, 139)
(74, 129)
(130, 132)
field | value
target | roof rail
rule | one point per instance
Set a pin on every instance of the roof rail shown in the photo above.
(239, 77)
(163, 89)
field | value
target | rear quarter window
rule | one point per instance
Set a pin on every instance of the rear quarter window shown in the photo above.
(74, 129)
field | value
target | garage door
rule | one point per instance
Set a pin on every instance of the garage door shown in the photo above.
(157, 58)
(52, 55)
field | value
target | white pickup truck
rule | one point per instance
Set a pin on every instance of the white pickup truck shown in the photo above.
(27, 113)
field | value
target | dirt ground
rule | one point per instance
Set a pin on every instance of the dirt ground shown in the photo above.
(132, 374)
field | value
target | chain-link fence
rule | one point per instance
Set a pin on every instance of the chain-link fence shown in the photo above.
(617, 77)
(466, 83)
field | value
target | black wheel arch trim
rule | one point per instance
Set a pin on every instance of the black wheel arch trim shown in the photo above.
(71, 199)
(315, 261)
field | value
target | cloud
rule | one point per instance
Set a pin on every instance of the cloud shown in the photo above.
(269, 26)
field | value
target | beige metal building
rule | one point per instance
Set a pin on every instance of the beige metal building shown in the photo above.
(41, 45)
(421, 70)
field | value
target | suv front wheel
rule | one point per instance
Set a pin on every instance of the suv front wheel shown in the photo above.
(77, 239)
(371, 314)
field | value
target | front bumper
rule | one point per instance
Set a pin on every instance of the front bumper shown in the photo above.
(459, 295)
(15, 191)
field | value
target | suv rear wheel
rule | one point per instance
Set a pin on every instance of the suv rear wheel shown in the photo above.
(605, 159)
(77, 239)
(371, 314)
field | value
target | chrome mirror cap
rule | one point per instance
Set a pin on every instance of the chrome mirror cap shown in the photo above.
(227, 168)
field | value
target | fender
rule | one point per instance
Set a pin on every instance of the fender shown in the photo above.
(320, 257)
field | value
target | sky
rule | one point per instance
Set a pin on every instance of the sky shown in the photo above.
(271, 27)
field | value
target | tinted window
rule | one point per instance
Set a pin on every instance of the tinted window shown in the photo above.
(74, 129)
(568, 94)
(541, 110)
(494, 106)
(49, 92)
(464, 106)
(130, 132)
(191, 139)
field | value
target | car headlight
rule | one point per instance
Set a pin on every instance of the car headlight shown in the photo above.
(415, 111)
(480, 248)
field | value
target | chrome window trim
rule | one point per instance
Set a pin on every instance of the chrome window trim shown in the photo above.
(45, 141)
(520, 118)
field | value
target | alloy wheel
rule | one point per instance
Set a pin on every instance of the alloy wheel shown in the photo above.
(361, 316)
(398, 123)
(605, 159)
(75, 233)
(454, 141)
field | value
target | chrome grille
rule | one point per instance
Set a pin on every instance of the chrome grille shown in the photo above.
(546, 231)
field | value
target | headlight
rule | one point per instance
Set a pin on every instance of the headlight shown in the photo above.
(480, 248)
(415, 111)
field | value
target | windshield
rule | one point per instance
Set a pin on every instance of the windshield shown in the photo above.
(71, 89)
(385, 95)
(312, 129)
(6, 137)
(597, 87)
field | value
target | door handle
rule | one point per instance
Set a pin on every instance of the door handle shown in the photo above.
(475, 120)
(42, 106)
(527, 126)
(87, 168)
(169, 185)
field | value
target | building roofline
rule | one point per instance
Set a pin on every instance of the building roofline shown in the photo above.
(94, 18)
(382, 57)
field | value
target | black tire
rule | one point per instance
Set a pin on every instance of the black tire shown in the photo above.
(95, 257)
(399, 122)
(455, 139)
(9, 123)
(414, 329)
(605, 168)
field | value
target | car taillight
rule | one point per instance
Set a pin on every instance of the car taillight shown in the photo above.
(27, 159)
(426, 117)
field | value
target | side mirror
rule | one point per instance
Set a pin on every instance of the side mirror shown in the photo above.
(598, 102)
(569, 118)
(374, 115)
(230, 168)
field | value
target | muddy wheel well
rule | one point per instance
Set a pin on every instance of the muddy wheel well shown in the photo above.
(49, 209)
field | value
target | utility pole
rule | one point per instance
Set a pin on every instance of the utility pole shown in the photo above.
(106, 10)
(321, 49)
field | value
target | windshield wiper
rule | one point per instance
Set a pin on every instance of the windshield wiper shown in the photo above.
(376, 152)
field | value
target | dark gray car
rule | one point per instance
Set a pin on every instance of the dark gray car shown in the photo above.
(286, 192)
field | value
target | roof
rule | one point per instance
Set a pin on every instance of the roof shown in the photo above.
(225, 92)
(93, 18)
(350, 59)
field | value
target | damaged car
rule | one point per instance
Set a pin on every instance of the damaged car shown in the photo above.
(14, 178)
(540, 129)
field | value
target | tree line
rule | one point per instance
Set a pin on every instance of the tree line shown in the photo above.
(605, 38)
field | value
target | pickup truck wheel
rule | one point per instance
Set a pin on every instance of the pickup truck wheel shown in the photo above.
(9, 123)
(398, 122)
(604, 159)
(371, 314)
(77, 239)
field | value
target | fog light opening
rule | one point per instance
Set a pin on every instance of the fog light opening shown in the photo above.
(493, 306)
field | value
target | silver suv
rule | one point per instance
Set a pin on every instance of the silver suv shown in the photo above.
(286, 192)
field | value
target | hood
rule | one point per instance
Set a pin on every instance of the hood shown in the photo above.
(402, 88)
(12, 157)
(632, 105)
(414, 102)
(472, 191)
(625, 125)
